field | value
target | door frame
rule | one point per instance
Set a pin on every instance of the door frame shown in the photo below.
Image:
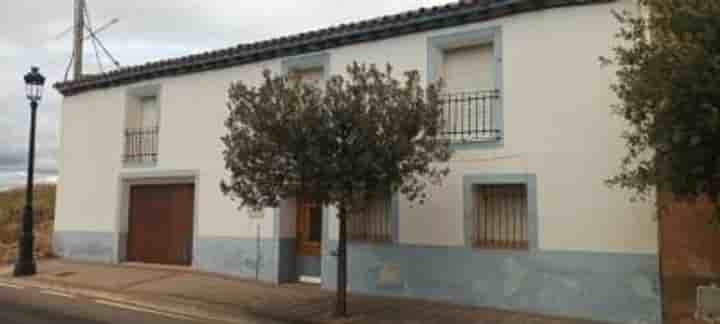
(159, 177)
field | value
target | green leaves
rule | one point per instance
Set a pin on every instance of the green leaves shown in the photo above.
(363, 134)
(669, 87)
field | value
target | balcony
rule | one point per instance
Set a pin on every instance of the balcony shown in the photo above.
(141, 145)
(470, 117)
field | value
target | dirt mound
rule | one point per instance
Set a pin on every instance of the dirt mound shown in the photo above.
(11, 207)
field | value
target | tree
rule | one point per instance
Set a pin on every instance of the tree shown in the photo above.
(341, 145)
(669, 87)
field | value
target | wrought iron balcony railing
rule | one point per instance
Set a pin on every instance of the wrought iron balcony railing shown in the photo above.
(471, 116)
(141, 145)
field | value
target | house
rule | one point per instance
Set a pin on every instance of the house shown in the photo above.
(523, 222)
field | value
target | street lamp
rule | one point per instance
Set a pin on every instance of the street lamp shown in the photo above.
(25, 266)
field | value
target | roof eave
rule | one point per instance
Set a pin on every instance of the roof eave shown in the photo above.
(315, 41)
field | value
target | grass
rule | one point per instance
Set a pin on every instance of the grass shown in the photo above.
(12, 203)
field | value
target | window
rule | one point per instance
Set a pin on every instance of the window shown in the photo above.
(311, 68)
(470, 64)
(142, 126)
(500, 216)
(148, 112)
(469, 69)
(470, 96)
(373, 224)
(310, 75)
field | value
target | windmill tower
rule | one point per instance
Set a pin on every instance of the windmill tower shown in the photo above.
(81, 26)
(78, 38)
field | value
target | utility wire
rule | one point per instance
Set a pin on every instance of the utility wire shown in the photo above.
(70, 63)
(97, 56)
(86, 37)
(92, 36)
(102, 46)
(94, 42)
(99, 42)
(103, 27)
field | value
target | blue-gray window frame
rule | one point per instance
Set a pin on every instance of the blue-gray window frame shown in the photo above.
(437, 45)
(529, 180)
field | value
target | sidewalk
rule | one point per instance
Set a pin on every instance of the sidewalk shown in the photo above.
(228, 299)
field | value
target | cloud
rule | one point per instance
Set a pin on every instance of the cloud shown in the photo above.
(147, 30)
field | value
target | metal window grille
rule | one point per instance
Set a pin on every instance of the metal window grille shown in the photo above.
(141, 145)
(372, 224)
(500, 216)
(471, 116)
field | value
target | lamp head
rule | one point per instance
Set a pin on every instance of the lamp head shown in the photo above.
(34, 83)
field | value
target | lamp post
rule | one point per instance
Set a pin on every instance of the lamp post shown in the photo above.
(25, 266)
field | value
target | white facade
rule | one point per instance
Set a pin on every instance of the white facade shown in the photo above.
(556, 125)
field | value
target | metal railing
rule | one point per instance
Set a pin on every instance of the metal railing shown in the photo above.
(373, 224)
(500, 217)
(471, 116)
(141, 145)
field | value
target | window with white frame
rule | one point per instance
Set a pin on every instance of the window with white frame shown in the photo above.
(500, 216)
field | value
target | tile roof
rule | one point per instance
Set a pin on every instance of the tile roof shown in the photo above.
(423, 19)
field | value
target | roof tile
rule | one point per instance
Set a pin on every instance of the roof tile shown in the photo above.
(421, 19)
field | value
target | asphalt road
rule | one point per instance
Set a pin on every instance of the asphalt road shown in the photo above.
(22, 305)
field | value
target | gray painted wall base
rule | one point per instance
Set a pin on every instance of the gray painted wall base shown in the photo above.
(86, 246)
(286, 260)
(602, 286)
(618, 288)
(246, 258)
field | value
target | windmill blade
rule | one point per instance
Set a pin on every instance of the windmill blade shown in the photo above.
(99, 43)
(101, 28)
(62, 34)
(96, 31)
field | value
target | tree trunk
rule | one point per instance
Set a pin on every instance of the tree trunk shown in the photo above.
(341, 303)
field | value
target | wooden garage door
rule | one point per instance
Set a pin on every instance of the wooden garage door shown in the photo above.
(161, 224)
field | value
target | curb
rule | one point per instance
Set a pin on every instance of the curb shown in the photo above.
(191, 311)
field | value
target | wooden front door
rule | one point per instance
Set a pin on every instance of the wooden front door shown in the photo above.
(161, 224)
(309, 228)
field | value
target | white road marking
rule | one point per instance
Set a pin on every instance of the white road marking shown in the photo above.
(57, 293)
(145, 310)
(7, 285)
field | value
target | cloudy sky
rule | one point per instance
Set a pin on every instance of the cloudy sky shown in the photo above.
(147, 30)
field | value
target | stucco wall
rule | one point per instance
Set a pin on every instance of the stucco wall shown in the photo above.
(557, 126)
(191, 118)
